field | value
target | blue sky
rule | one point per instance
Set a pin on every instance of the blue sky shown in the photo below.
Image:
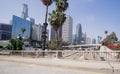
(96, 16)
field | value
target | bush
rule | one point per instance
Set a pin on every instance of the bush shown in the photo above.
(15, 44)
(114, 47)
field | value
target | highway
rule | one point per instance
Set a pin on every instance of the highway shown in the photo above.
(7, 67)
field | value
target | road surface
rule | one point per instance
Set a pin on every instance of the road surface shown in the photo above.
(23, 68)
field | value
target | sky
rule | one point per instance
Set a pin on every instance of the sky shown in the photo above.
(95, 16)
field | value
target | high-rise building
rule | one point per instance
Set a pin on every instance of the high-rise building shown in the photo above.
(36, 35)
(78, 34)
(93, 41)
(32, 20)
(67, 29)
(88, 40)
(25, 11)
(74, 39)
(37, 32)
(5, 31)
(84, 36)
(17, 24)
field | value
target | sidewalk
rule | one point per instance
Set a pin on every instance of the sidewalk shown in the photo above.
(95, 65)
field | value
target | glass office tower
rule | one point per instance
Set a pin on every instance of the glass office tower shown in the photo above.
(5, 31)
(78, 33)
(17, 24)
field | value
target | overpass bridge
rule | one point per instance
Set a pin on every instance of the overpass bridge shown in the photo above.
(82, 46)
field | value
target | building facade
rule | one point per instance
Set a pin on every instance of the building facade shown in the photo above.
(67, 29)
(88, 40)
(84, 36)
(17, 24)
(78, 34)
(5, 31)
(37, 32)
(93, 41)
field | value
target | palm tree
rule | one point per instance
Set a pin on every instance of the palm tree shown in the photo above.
(23, 30)
(62, 5)
(47, 3)
(113, 37)
(99, 39)
(106, 32)
(56, 20)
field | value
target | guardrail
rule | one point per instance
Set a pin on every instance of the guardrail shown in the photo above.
(113, 56)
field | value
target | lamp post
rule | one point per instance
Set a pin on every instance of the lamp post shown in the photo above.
(44, 34)
(46, 3)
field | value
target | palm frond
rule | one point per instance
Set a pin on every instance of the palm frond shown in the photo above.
(47, 2)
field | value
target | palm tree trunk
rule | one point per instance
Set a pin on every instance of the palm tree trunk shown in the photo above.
(22, 35)
(46, 14)
(57, 39)
(60, 38)
(58, 44)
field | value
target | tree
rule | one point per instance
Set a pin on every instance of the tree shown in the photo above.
(113, 37)
(52, 45)
(110, 39)
(19, 44)
(99, 39)
(23, 29)
(106, 32)
(65, 43)
(61, 5)
(58, 17)
(15, 44)
(47, 3)
(56, 20)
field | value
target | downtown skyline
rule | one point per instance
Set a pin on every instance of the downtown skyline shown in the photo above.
(95, 16)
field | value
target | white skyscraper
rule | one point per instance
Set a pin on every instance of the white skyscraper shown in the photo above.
(67, 29)
(25, 11)
(36, 32)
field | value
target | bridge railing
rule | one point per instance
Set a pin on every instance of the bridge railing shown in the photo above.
(113, 56)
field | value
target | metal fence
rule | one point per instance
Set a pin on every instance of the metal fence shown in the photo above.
(113, 56)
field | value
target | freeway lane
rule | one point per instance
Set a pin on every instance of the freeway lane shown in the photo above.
(21, 68)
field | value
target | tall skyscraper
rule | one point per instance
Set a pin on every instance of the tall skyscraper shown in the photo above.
(67, 29)
(78, 34)
(25, 11)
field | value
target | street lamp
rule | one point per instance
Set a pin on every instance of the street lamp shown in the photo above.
(46, 3)
(44, 34)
